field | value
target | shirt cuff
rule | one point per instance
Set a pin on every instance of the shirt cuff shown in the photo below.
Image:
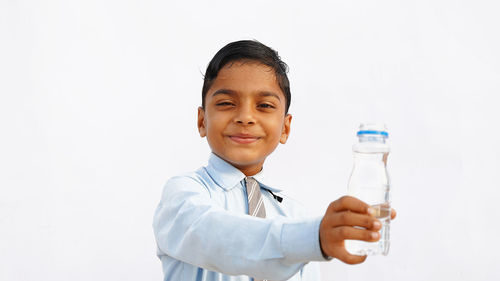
(300, 240)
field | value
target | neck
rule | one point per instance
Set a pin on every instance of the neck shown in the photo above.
(250, 170)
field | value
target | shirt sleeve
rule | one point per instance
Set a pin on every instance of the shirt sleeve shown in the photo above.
(189, 227)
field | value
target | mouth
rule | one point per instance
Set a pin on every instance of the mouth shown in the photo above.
(243, 138)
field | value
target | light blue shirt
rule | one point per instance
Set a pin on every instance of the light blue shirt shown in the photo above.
(203, 231)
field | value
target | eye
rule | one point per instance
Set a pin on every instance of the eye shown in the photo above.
(266, 105)
(224, 103)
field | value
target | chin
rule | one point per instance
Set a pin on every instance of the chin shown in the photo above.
(244, 159)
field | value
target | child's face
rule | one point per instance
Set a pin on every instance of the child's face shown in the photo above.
(244, 117)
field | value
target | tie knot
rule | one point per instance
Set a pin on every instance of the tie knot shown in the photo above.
(249, 179)
(251, 183)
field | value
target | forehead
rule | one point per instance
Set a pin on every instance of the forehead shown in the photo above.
(246, 77)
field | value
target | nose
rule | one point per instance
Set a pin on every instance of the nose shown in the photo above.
(245, 116)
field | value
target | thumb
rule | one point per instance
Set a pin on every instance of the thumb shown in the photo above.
(346, 257)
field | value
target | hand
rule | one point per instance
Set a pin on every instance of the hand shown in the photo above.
(338, 224)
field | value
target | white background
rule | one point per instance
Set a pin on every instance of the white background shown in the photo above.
(98, 109)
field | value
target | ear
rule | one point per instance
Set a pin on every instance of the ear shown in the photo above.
(285, 132)
(201, 122)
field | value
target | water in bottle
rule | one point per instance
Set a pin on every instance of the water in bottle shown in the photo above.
(369, 182)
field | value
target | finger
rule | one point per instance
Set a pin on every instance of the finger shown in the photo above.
(354, 219)
(352, 233)
(345, 256)
(349, 203)
(393, 214)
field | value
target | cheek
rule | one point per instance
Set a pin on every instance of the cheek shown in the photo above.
(276, 127)
(215, 124)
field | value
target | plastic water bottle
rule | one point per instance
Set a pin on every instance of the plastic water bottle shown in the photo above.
(370, 183)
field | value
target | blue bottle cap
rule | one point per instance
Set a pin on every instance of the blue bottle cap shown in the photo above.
(373, 129)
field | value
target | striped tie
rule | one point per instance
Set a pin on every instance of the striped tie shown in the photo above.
(255, 202)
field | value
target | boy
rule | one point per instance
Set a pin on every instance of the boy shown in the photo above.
(222, 222)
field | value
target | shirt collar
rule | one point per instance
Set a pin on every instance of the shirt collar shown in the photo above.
(227, 176)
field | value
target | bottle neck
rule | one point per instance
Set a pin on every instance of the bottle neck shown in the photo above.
(371, 138)
(371, 143)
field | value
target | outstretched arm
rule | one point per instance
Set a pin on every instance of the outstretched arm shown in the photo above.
(190, 227)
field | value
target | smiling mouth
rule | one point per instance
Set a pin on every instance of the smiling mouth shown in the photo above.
(244, 139)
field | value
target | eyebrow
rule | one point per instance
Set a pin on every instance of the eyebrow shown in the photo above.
(224, 91)
(232, 92)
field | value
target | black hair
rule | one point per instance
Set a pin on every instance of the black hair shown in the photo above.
(251, 50)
